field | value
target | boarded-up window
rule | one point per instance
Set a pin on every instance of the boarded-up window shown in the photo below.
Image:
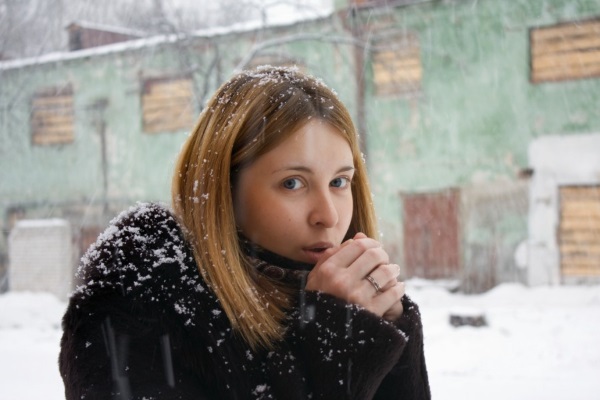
(376, 3)
(397, 65)
(167, 104)
(274, 60)
(431, 234)
(565, 51)
(52, 116)
(579, 231)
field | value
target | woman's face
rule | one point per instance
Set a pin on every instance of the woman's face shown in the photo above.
(296, 199)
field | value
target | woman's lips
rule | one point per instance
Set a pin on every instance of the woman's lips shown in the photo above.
(313, 256)
(315, 252)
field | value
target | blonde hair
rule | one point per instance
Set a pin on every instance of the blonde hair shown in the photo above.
(247, 116)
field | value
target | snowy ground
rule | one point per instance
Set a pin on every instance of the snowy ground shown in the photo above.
(540, 343)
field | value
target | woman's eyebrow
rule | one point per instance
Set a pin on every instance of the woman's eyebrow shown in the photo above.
(302, 168)
(346, 169)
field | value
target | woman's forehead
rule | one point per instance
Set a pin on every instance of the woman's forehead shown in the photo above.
(316, 144)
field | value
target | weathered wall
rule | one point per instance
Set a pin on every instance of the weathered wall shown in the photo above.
(476, 114)
(469, 126)
(557, 161)
(112, 163)
(41, 257)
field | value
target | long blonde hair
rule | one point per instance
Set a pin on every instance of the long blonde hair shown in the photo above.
(247, 116)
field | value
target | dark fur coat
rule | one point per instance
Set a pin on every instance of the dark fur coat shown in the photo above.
(144, 325)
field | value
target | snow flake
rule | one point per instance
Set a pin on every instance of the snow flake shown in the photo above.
(181, 308)
(260, 389)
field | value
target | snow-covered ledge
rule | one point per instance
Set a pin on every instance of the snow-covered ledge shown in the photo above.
(556, 161)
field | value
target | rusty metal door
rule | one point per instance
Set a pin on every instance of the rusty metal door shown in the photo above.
(431, 234)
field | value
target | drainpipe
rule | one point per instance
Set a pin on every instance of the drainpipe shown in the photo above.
(351, 22)
(98, 107)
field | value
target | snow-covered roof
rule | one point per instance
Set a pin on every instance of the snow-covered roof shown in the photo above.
(107, 28)
(288, 20)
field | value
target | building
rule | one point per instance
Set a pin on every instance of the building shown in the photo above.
(461, 104)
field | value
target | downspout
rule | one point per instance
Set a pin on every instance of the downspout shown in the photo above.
(351, 22)
(98, 108)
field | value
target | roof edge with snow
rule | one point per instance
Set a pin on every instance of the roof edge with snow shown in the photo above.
(136, 44)
(106, 28)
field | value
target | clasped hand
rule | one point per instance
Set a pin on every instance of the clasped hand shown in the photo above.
(343, 273)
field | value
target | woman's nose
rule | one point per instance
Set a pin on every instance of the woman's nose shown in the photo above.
(323, 211)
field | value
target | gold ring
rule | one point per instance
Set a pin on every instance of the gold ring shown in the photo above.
(373, 282)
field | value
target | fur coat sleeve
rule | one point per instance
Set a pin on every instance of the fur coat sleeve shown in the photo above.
(355, 354)
(143, 325)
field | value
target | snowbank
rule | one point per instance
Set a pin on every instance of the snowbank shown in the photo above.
(540, 343)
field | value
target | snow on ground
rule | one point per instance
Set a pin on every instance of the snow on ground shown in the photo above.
(540, 343)
(29, 343)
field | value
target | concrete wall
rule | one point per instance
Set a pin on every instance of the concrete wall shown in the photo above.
(556, 161)
(41, 257)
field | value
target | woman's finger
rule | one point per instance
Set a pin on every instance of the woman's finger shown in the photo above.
(384, 276)
(349, 252)
(332, 274)
(386, 301)
(369, 260)
(394, 312)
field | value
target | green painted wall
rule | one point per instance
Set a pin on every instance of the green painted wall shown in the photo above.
(469, 127)
(477, 112)
(68, 180)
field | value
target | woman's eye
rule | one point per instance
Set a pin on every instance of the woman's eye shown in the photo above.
(340, 182)
(292, 183)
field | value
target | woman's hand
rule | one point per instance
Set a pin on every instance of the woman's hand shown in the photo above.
(359, 272)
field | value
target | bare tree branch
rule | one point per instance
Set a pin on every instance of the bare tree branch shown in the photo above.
(320, 37)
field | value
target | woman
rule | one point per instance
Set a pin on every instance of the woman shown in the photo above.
(266, 280)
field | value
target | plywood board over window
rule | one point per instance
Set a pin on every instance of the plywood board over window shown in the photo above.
(565, 51)
(579, 231)
(52, 116)
(397, 66)
(167, 104)
(275, 60)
